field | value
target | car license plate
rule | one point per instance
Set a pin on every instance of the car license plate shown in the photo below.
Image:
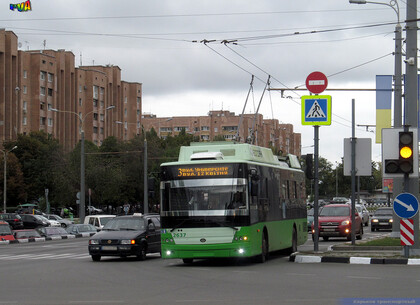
(109, 248)
(383, 224)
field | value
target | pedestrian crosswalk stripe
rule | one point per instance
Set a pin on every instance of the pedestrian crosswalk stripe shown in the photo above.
(44, 256)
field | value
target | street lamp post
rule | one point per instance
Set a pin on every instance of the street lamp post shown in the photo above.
(145, 182)
(398, 59)
(82, 158)
(5, 152)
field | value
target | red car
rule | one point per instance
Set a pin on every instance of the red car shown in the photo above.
(334, 220)
(5, 232)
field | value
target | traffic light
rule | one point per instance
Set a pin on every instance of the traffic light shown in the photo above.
(405, 162)
(406, 151)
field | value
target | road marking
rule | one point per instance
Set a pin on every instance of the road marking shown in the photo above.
(364, 277)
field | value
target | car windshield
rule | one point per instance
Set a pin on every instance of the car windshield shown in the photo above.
(27, 234)
(55, 231)
(383, 212)
(5, 230)
(335, 211)
(117, 224)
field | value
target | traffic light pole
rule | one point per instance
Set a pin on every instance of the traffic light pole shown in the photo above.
(411, 106)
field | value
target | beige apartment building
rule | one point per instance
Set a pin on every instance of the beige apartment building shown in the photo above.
(44, 90)
(267, 133)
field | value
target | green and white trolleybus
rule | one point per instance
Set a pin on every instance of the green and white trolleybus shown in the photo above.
(231, 200)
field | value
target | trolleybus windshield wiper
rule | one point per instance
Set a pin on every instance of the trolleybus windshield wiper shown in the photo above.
(224, 225)
(178, 225)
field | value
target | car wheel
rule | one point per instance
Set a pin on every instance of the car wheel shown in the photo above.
(63, 225)
(143, 251)
(372, 229)
(96, 258)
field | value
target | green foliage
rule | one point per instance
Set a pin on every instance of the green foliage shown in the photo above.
(114, 171)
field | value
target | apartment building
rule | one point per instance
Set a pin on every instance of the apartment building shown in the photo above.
(43, 90)
(268, 133)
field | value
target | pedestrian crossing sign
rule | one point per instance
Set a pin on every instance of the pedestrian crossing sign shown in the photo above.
(316, 110)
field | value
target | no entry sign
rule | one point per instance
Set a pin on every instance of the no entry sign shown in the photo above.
(316, 82)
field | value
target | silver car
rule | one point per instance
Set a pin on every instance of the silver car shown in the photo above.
(364, 213)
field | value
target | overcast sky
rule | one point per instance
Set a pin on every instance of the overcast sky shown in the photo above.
(159, 44)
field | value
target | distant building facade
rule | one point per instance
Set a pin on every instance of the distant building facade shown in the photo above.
(267, 133)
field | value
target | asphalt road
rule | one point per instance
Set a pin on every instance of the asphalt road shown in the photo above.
(61, 272)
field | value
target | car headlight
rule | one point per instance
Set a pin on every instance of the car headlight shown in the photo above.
(345, 222)
(93, 242)
(375, 220)
(128, 242)
(391, 220)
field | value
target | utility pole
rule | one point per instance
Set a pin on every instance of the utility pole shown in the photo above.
(411, 106)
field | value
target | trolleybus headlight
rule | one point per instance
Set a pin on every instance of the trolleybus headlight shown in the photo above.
(168, 253)
(241, 251)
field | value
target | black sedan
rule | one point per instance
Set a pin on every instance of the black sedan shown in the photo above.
(33, 221)
(14, 220)
(381, 219)
(126, 236)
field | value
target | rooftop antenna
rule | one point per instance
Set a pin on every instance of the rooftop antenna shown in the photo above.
(44, 43)
(81, 59)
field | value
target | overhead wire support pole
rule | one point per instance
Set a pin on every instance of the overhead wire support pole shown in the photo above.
(258, 108)
(243, 110)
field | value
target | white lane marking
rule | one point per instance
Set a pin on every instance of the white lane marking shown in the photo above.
(364, 277)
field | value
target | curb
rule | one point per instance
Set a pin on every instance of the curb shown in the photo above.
(303, 259)
(31, 240)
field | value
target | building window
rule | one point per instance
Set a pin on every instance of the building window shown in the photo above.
(43, 120)
(180, 128)
(25, 104)
(44, 62)
(101, 130)
(125, 100)
(165, 129)
(95, 103)
(138, 111)
(102, 116)
(42, 90)
(138, 100)
(50, 77)
(125, 125)
(50, 122)
(80, 88)
(25, 89)
(205, 137)
(205, 128)
(24, 120)
(49, 107)
(95, 116)
(230, 128)
(25, 74)
(95, 92)
(102, 104)
(95, 129)
(50, 92)
(102, 90)
(125, 112)
(216, 129)
(80, 101)
(42, 105)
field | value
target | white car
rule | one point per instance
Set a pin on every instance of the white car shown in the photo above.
(364, 213)
(53, 223)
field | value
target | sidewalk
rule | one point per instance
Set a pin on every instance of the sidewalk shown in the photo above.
(358, 254)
